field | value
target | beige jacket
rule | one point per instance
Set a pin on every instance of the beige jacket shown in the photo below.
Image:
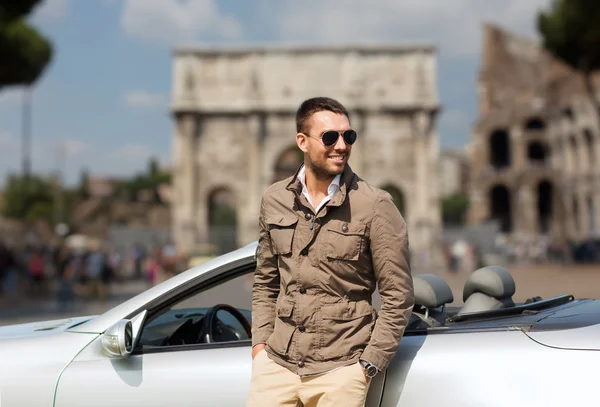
(316, 275)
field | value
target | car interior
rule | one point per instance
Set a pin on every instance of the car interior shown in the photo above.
(195, 319)
(487, 293)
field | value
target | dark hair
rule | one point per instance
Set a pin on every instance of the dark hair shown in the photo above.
(314, 105)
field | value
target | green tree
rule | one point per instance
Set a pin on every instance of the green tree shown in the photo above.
(570, 30)
(454, 208)
(29, 201)
(24, 52)
(83, 191)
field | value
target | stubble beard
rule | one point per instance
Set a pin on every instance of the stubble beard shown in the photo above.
(321, 173)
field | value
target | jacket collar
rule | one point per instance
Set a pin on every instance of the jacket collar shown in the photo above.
(345, 182)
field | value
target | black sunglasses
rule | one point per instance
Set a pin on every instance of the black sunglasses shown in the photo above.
(330, 137)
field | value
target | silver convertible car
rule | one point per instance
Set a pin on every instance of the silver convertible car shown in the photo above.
(186, 342)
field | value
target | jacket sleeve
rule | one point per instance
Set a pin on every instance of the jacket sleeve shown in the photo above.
(266, 285)
(391, 265)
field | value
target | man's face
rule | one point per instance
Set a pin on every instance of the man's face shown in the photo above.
(327, 161)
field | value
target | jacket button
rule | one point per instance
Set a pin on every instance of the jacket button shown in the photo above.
(304, 252)
(301, 364)
(345, 228)
(302, 290)
(307, 216)
(301, 328)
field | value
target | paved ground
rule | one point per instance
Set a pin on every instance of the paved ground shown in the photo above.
(545, 281)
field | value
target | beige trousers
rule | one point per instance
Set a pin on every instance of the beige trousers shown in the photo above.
(273, 385)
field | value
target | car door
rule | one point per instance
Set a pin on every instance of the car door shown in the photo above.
(206, 374)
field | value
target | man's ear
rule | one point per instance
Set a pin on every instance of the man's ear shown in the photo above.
(301, 140)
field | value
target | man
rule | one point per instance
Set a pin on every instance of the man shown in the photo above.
(326, 239)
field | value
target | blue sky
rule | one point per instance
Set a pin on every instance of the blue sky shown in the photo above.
(105, 97)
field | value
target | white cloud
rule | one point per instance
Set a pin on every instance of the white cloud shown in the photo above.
(51, 10)
(173, 22)
(453, 25)
(144, 100)
(75, 147)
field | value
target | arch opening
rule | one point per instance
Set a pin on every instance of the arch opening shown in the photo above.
(535, 123)
(500, 202)
(222, 220)
(287, 163)
(537, 153)
(500, 149)
(576, 214)
(590, 148)
(398, 197)
(545, 203)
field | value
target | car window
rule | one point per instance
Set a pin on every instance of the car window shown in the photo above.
(184, 323)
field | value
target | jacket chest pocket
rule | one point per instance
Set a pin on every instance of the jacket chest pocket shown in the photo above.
(344, 241)
(281, 230)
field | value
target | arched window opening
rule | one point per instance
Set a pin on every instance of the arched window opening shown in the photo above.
(590, 147)
(222, 220)
(398, 197)
(535, 123)
(288, 163)
(544, 203)
(500, 203)
(568, 113)
(576, 214)
(537, 153)
(500, 149)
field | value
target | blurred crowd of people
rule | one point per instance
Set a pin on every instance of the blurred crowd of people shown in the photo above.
(463, 255)
(66, 272)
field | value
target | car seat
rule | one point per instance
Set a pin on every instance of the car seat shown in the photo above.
(488, 288)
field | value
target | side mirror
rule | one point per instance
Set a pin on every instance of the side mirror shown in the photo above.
(118, 339)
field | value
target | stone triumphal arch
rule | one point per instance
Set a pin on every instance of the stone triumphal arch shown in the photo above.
(235, 131)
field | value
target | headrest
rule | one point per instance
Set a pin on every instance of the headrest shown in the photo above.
(431, 291)
(494, 281)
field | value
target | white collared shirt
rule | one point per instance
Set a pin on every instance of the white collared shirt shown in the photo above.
(331, 190)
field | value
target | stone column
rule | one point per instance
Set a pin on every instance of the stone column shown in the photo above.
(186, 182)
(425, 214)
(523, 208)
(518, 148)
(251, 193)
(596, 198)
(418, 211)
(584, 222)
(357, 159)
(584, 157)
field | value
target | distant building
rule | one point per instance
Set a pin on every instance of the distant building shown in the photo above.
(453, 173)
(234, 112)
(535, 149)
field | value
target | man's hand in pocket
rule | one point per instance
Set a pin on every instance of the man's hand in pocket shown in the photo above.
(256, 349)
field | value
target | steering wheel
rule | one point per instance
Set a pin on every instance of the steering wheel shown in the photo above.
(211, 317)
